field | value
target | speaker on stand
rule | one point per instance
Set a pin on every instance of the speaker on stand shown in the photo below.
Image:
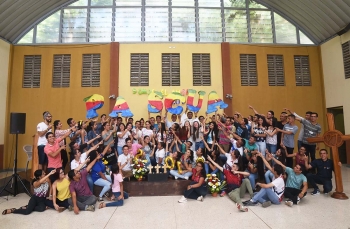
(17, 126)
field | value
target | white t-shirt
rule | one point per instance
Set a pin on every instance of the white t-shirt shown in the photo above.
(122, 159)
(121, 141)
(159, 138)
(160, 154)
(146, 132)
(278, 187)
(74, 164)
(41, 127)
(234, 146)
(169, 123)
(138, 135)
(229, 159)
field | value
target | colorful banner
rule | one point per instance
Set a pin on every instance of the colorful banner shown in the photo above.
(122, 107)
(155, 103)
(173, 102)
(190, 100)
(214, 101)
(93, 103)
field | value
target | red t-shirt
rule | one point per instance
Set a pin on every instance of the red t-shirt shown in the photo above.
(231, 178)
(194, 176)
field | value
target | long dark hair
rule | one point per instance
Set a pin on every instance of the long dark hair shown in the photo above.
(115, 170)
(214, 131)
(260, 167)
(239, 159)
(118, 130)
(37, 174)
(282, 157)
(161, 130)
(195, 131)
(90, 126)
(55, 124)
(202, 172)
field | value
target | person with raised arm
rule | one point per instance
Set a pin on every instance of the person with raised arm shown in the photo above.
(234, 181)
(42, 129)
(269, 118)
(41, 184)
(82, 198)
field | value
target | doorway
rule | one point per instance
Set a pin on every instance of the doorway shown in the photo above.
(338, 114)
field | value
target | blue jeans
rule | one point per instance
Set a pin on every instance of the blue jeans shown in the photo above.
(252, 177)
(90, 183)
(299, 144)
(261, 147)
(106, 184)
(182, 176)
(268, 176)
(120, 150)
(266, 194)
(117, 202)
(199, 145)
(271, 148)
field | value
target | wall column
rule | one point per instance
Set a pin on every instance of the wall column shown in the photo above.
(114, 73)
(226, 76)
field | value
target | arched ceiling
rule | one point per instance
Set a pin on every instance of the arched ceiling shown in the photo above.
(318, 19)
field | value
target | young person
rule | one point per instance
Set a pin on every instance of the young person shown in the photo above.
(42, 129)
(124, 162)
(287, 138)
(184, 166)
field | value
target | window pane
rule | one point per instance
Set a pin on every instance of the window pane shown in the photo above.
(261, 28)
(182, 2)
(304, 39)
(128, 2)
(101, 2)
(235, 3)
(156, 28)
(27, 39)
(253, 4)
(128, 24)
(183, 24)
(212, 3)
(80, 3)
(210, 26)
(100, 25)
(285, 31)
(48, 30)
(236, 25)
(74, 25)
(157, 2)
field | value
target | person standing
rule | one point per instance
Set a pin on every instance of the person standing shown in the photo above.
(287, 138)
(280, 125)
(42, 129)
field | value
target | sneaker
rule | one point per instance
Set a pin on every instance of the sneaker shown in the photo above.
(298, 200)
(61, 209)
(90, 208)
(182, 200)
(315, 192)
(245, 202)
(223, 193)
(250, 203)
(100, 199)
(176, 177)
(266, 204)
(241, 208)
(70, 208)
(289, 203)
(200, 198)
(186, 178)
(326, 193)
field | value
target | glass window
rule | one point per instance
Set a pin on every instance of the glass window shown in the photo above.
(27, 39)
(128, 2)
(127, 24)
(210, 26)
(183, 25)
(235, 3)
(304, 39)
(261, 26)
(285, 31)
(236, 26)
(48, 30)
(253, 4)
(101, 2)
(100, 25)
(74, 25)
(182, 2)
(157, 2)
(209, 3)
(156, 28)
(80, 3)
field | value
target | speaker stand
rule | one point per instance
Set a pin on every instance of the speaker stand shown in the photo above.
(15, 177)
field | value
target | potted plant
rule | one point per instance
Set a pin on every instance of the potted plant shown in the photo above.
(214, 184)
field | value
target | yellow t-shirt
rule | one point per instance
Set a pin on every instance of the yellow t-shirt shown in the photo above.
(63, 192)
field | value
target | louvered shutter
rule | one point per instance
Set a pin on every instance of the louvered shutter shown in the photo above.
(61, 70)
(201, 69)
(170, 69)
(249, 75)
(139, 69)
(302, 71)
(32, 71)
(275, 70)
(91, 70)
(346, 59)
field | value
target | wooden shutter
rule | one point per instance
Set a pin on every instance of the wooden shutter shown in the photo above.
(61, 70)
(32, 71)
(302, 71)
(201, 69)
(275, 70)
(139, 69)
(249, 75)
(91, 70)
(346, 59)
(170, 69)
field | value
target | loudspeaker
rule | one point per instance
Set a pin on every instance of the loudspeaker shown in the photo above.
(18, 123)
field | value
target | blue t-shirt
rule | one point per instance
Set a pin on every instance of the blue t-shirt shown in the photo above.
(294, 180)
(98, 167)
(324, 168)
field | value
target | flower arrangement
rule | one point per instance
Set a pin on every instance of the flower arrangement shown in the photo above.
(214, 183)
(139, 169)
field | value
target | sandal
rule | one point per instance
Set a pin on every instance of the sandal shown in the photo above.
(5, 212)
(101, 205)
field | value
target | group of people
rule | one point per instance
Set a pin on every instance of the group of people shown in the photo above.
(253, 154)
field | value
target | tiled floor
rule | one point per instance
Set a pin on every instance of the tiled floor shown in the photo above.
(164, 212)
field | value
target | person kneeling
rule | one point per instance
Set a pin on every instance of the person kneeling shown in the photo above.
(197, 189)
(271, 192)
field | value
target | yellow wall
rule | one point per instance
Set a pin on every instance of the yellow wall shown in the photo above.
(61, 102)
(264, 97)
(337, 88)
(138, 103)
(4, 67)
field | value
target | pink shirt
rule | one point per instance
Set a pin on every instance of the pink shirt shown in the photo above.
(54, 162)
(117, 179)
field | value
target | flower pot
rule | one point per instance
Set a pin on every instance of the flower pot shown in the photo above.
(139, 179)
(214, 194)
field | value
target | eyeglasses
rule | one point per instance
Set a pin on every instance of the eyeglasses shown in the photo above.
(48, 116)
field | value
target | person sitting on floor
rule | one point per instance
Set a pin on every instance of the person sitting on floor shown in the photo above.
(184, 166)
(324, 168)
(197, 189)
(82, 197)
(234, 180)
(272, 192)
(119, 195)
(41, 184)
